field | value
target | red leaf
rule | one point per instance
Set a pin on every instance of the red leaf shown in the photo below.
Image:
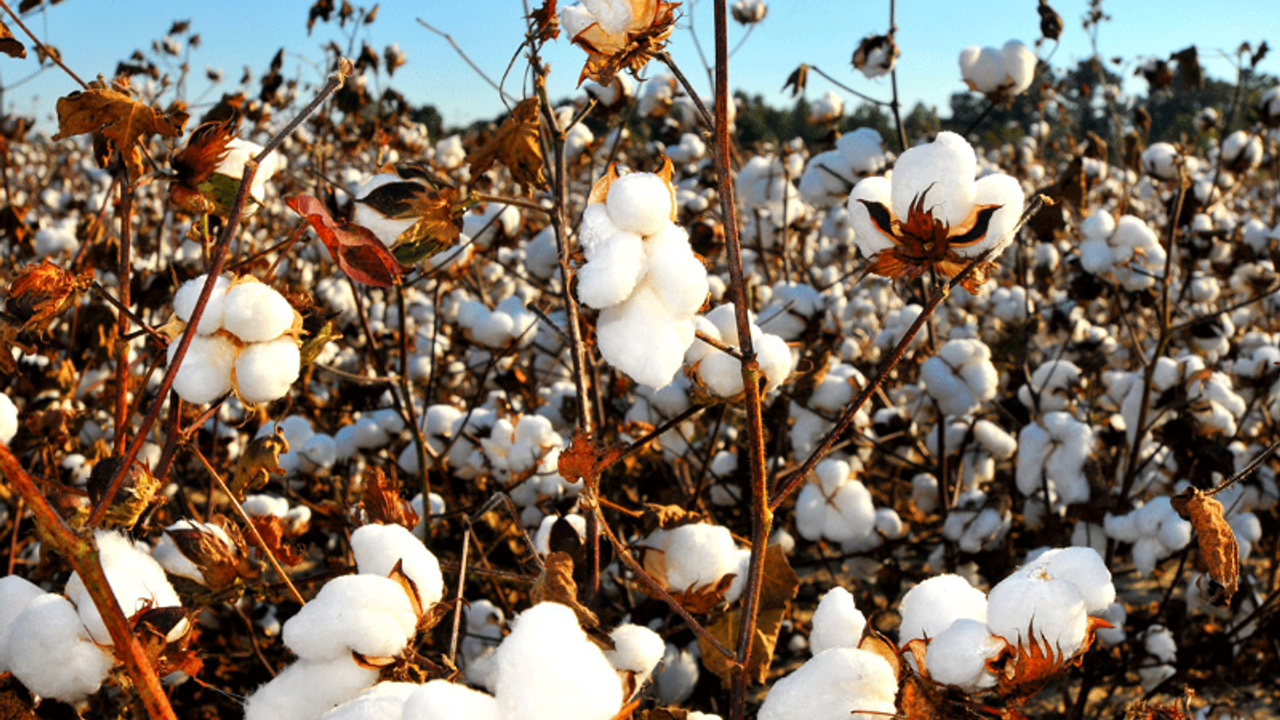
(356, 250)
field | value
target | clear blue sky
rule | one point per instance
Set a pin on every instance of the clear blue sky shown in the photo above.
(94, 34)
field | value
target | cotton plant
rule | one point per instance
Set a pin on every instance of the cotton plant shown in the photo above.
(961, 377)
(1004, 72)
(719, 373)
(1126, 251)
(835, 505)
(692, 558)
(246, 342)
(1052, 456)
(641, 273)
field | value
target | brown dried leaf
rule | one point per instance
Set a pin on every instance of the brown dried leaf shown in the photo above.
(357, 251)
(919, 699)
(382, 502)
(797, 80)
(1219, 555)
(546, 22)
(219, 563)
(705, 599)
(272, 533)
(667, 517)
(137, 490)
(1050, 21)
(778, 588)
(555, 584)
(779, 583)
(314, 345)
(112, 114)
(9, 45)
(516, 145)
(40, 293)
(259, 461)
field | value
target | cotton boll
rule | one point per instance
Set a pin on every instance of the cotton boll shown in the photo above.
(869, 238)
(1163, 651)
(698, 555)
(205, 374)
(370, 614)
(640, 338)
(931, 607)
(958, 656)
(612, 270)
(384, 701)
(135, 577)
(266, 370)
(836, 622)
(548, 669)
(674, 272)
(1019, 65)
(1082, 567)
(832, 685)
(255, 312)
(442, 700)
(1036, 608)
(1005, 191)
(166, 552)
(542, 538)
(636, 649)
(640, 202)
(309, 688)
(15, 595)
(378, 548)
(51, 652)
(677, 674)
(184, 302)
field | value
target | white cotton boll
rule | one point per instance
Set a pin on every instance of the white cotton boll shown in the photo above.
(698, 555)
(547, 669)
(378, 548)
(166, 552)
(15, 595)
(443, 700)
(774, 357)
(613, 16)
(945, 168)
(1082, 567)
(1159, 643)
(205, 374)
(8, 419)
(542, 538)
(321, 450)
(370, 614)
(612, 270)
(640, 202)
(640, 338)
(368, 435)
(636, 649)
(1160, 160)
(959, 654)
(1025, 608)
(674, 272)
(1248, 531)
(384, 701)
(309, 688)
(1005, 191)
(677, 675)
(266, 370)
(264, 505)
(869, 239)
(837, 623)
(386, 229)
(596, 228)
(51, 652)
(1019, 65)
(184, 302)
(831, 686)
(1099, 225)
(240, 152)
(931, 607)
(924, 492)
(135, 577)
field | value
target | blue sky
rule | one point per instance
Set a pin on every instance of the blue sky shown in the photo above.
(94, 34)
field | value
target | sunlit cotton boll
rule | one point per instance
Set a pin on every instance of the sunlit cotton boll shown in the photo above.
(369, 614)
(443, 700)
(961, 376)
(837, 507)
(205, 374)
(1032, 606)
(136, 579)
(384, 701)
(15, 595)
(836, 623)
(378, 548)
(831, 686)
(698, 555)
(256, 312)
(265, 371)
(184, 302)
(958, 656)
(241, 151)
(931, 607)
(51, 652)
(308, 688)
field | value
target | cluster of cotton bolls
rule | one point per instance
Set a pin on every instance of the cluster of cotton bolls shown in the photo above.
(58, 645)
(1008, 70)
(1126, 251)
(717, 371)
(830, 175)
(246, 341)
(837, 507)
(642, 275)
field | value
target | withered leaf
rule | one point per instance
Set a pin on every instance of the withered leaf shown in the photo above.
(436, 227)
(1219, 555)
(314, 345)
(135, 494)
(112, 114)
(382, 502)
(196, 162)
(667, 517)
(797, 80)
(259, 461)
(272, 532)
(516, 145)
(218, 563)
(703, 600)
(778, 587)
(1190, 74)
(11, 46)
(585, 459)
(556, 584)
(40, 293)
(357, 251)
(546, 22)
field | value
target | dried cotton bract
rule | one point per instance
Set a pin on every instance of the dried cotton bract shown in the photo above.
(618, 34)
(932, 215)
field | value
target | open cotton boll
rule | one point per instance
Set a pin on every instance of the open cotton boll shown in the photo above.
(961, 376)
(636, 649)
(378, 548)
(837, 623)
(946, 167)
(931, 607)
(15, 595)
(309, 688)
(1082, 567)
(51, 652)
(958, 656)
(640, 202)
(256, 312)
(135, 577)
(869, 239)
(443, 700)
(370, 614)
(835, 685)
(8, 419)
(838, 507)
(184, 302)
(384, 701)
(166, 552)
(1019, 65)
(698, 555)
(1005, 191)
(677, 674)
(240, 152)
(641, 338)
(205, 374)
(614, 265)
(266, 370)
(674, 272)
(1033, 607)
(387, 229)
(547, 669)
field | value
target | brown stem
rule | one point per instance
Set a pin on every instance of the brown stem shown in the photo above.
(215, 269)
(125, 275)
(82, 554)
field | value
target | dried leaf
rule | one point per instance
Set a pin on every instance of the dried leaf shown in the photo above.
(1190, 74)
(546, 22)
(112, 114)
(1219, 554)
(9, 45)
(584, 459)
(220, 565)
(516, 145)
(797, 80)
(437, 226)
(137, 490)
(272, 532)
(778, 588)
(382, 502)
(358, 252)
(314, 345)
(40, 293)
(259, 461)
(667, 517)
(556, 584)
